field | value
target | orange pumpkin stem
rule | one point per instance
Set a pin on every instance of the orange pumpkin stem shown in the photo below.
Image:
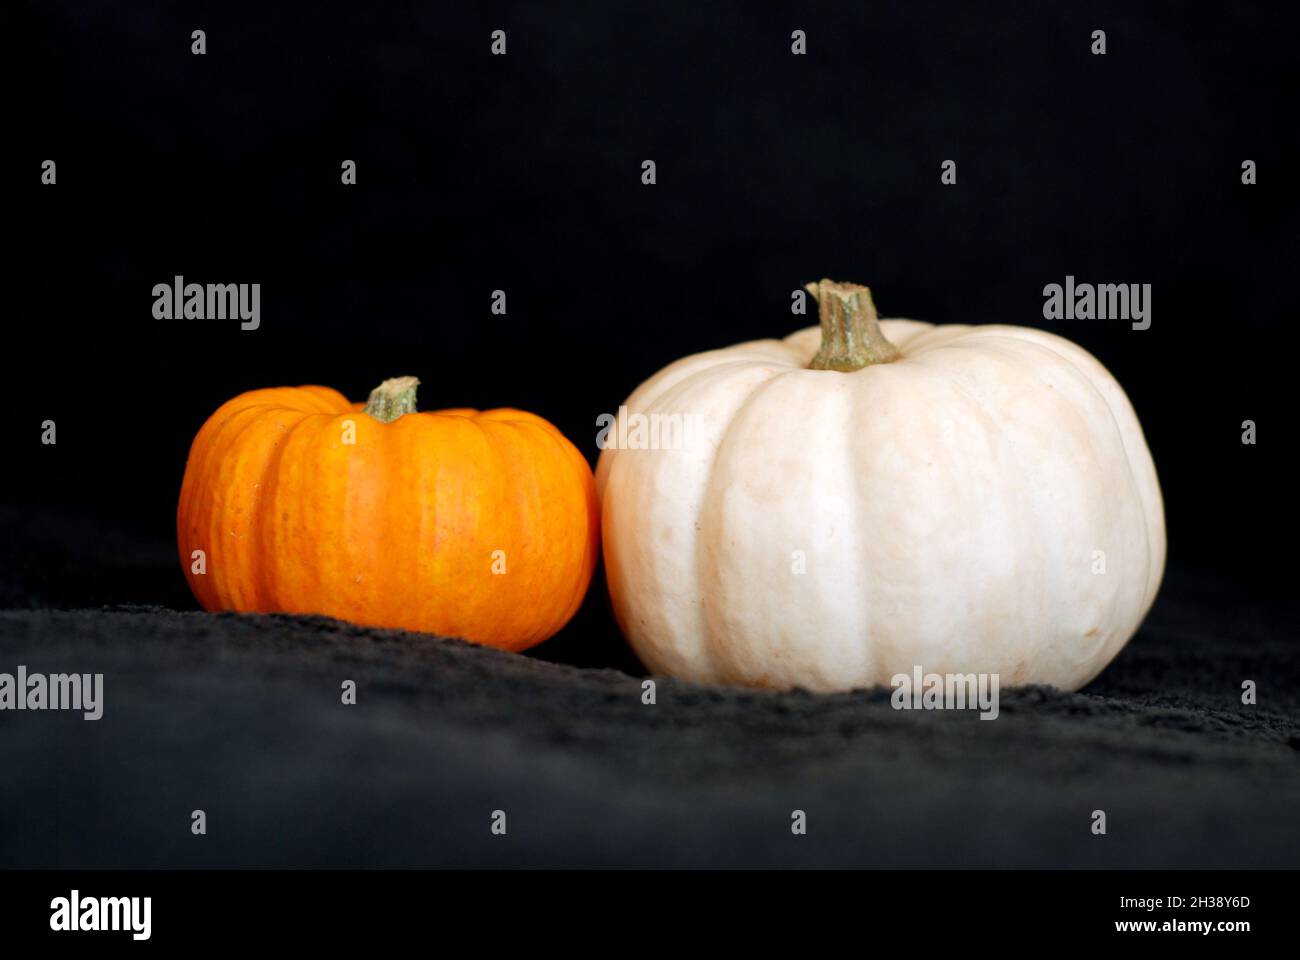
(392, 398)
(851, 334)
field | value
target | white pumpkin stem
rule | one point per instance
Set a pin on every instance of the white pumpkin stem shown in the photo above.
(851, 334)
(392, 398)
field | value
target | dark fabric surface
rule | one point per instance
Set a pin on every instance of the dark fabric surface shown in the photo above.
(241, 716)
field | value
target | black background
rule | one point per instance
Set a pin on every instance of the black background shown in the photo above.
(522, 173)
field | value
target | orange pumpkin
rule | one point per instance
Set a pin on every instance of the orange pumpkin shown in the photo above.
(461, 523)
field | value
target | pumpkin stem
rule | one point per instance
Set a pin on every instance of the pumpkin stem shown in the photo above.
(851, 334)
(392, 398)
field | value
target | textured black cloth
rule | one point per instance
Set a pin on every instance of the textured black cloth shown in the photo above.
(241, 716)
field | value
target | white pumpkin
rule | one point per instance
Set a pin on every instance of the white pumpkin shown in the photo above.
(966, 499)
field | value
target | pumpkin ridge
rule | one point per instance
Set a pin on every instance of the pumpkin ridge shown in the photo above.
(703, 373)
(570, 456)
(936, 338)
(213, 446)
(263, 578)
(396, 473)
(857, 468)
(715, 623)
(1149, 592)
(901, 337)
(1134, 486)
(494, 415)
(229, 501)
(277, 545)
(276, 426)
(1087, 382)
(252, 401)
(526, 486)
(644, 403)
(619, 468)
(1009, 505)
(335, 399)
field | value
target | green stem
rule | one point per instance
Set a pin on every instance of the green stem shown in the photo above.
(392, 398)
(851, 334)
